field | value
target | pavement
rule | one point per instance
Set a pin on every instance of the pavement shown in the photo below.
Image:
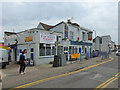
(11, 78)
(13, 69)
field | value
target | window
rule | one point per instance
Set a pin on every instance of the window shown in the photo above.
(41, 49)
(89, 35)
(83, 35)
(75, 50)
(70, 50)
(83, 49)
(100, 40)
(53, 50)
(48, 49)
(32, 50)
(71, 35)
(65, 48)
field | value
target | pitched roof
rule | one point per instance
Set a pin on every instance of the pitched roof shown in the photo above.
(45, 26)
(56, 25)
(9, 33)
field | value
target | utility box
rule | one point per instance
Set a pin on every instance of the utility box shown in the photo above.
(56, 61)
(62, 59)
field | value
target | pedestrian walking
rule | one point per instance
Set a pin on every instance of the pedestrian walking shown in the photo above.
(22, 63)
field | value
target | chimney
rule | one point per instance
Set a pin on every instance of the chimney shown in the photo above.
(68, 21)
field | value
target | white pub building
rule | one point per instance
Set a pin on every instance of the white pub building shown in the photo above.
(45, 41)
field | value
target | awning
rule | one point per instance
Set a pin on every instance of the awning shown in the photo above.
(4, 47)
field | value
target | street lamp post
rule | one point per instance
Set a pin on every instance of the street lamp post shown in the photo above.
(16, 42)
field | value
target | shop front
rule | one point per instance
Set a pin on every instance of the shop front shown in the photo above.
(84, 48)
(47, 47)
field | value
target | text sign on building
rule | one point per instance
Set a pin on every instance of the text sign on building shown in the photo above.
(66, 31)
(47, 38)
(80, 43)
(29, 39)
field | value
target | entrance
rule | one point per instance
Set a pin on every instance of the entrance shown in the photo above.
(13, 52)
(66, 52)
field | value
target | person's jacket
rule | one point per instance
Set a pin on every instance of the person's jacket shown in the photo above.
(22, 58)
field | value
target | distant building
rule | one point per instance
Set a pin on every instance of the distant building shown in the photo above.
(103, 44)
(113, 46)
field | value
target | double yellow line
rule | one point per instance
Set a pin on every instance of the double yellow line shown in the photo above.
(62, 75)
(107, 82)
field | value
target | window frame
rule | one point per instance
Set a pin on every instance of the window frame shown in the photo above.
(45, 47)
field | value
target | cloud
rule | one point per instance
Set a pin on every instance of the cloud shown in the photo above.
(60, 1)
(99, 16)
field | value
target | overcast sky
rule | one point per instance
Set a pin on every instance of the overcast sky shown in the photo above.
(99, 16)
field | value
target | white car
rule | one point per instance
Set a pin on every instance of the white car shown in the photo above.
(3, 58)
(118, 53)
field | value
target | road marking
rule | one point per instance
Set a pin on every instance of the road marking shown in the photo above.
(107, 82)
(62, 75)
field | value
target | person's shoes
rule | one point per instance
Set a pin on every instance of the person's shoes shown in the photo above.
(22, 73)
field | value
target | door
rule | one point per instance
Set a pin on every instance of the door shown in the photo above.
(32, 53)
(80, 50)
(32, 56)
(66, 52)
(85, 50)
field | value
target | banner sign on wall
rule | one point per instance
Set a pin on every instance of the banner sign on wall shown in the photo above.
(47, 38)
(76, 55)
(29, 39)
(81, 43)
(66, 31)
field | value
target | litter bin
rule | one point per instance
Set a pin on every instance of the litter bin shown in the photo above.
(56, 61)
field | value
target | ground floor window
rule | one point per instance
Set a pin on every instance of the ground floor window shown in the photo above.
(41, 49)
(83, 49)
(75, 50)
(53, 50)
(70, 50)
(46, 49)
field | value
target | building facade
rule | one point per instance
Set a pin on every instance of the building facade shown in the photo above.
(103, 44)
(45, 41)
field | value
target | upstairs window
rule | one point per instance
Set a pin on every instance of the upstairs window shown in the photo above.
(83, 35)
(71, 35)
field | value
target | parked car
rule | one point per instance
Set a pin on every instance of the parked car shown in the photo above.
(118, 53)
(3, 58)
